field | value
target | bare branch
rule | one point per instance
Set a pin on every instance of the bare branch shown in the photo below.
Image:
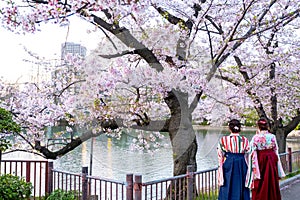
(117, 55)
(240, 65)
(219, 28)
(195, 102)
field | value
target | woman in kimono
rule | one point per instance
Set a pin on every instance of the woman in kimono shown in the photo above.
(265, 167)
(232, 155)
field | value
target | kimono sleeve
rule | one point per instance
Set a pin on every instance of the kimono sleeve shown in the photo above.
(246, 149)
(220, 151)
(281, 173)
(253, 167)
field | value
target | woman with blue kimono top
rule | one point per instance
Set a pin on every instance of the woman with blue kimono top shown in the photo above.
(265, 167)
(232, 156)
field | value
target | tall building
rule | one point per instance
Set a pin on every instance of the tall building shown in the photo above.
(72, 48)
(75, 50)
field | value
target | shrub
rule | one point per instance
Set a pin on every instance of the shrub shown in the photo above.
(63, 195)
(13, 187)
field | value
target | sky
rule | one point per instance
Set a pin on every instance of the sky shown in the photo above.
(45, 43)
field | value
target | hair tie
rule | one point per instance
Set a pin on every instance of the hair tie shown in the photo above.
(262, 121)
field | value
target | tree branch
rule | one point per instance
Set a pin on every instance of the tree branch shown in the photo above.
(195, 102)
(67, 148)
(127, 38)
(240, 65)
(117, 55)
(219, 28)
(293, 123)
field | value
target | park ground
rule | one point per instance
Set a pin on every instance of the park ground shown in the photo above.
(290, 188)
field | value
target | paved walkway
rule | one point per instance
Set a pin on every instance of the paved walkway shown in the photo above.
(290, 188)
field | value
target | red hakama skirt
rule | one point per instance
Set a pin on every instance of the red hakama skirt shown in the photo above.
(267, 187)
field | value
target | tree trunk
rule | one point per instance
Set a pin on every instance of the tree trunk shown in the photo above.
(282, 132)
(184, 146)
(182, 136)
(181, 132)
(281, 139)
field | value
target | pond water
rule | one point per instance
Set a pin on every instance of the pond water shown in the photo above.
(113, 158)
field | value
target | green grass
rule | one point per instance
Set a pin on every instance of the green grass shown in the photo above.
(291, 175)
(212, 195)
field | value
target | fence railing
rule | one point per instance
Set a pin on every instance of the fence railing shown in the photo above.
(200, 185)
(207, 184)
(88, 187)
(290, 161)
(192, 185)
(36, 172)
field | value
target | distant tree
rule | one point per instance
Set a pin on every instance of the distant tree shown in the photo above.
(7, 127)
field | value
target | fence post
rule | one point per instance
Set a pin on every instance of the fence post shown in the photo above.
(27, 171)
(49, 182)
(190, 182)
(137, 187)
(84, 183)
(290, 159)
(129, 187)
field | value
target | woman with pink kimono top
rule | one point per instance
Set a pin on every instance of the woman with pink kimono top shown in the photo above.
(265, 167)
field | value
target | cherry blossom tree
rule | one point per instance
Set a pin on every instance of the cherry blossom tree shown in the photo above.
(156, 53)
(267, 80)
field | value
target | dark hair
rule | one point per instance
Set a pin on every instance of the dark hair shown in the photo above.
(262, 124)
(234, 126)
